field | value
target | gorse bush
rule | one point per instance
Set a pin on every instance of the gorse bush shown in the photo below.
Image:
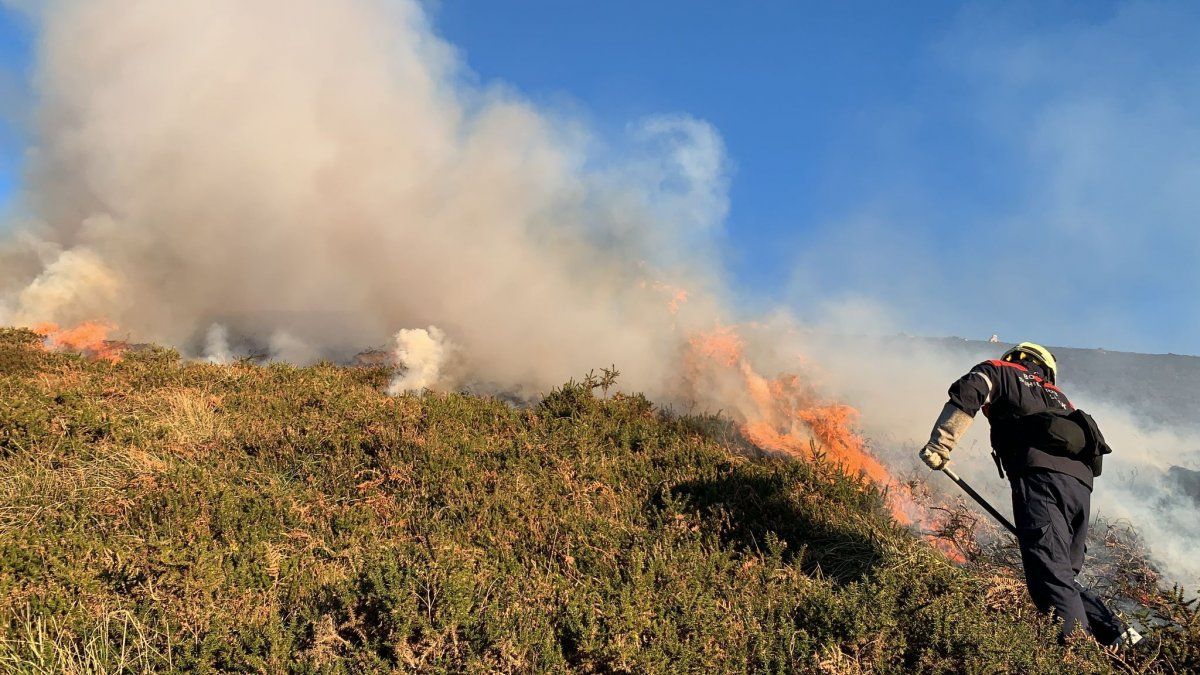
(157, 515)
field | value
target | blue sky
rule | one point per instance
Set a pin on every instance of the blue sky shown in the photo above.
(792, 90)
(961, 168)
(16, 46)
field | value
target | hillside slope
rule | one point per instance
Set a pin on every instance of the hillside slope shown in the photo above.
(1162, 389)
(158, 515)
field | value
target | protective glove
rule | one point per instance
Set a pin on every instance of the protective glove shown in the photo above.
(935, 457)
(950, 427)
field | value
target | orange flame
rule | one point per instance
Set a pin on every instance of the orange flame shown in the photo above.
(89, 338)
(677, 296)
(680, 297)
(785, 415)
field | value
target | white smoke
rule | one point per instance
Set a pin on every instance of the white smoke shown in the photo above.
(422, 354)
(314, 175)
(288, 348)
(216, 345)
(73, 286)
(1135, 489)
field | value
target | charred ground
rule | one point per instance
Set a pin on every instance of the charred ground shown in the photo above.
(162, 515)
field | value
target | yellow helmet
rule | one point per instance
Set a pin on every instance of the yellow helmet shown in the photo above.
(1029, 351)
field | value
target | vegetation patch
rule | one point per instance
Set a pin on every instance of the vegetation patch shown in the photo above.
(157, 515)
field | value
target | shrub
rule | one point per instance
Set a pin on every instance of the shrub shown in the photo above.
(161, 515)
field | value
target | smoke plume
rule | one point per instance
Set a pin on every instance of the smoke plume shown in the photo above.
(314, 176)
(422, 352)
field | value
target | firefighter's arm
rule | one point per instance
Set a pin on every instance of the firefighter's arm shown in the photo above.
(948, 430)
(967, 395)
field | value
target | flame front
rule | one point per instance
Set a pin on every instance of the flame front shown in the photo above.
(90, 338)
(785, 414)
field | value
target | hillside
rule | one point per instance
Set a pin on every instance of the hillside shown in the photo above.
(1162, 389)
(172, 516)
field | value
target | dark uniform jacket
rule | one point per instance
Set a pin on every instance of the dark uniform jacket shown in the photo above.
(1005, 391)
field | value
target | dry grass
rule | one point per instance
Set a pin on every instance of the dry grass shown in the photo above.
(119, 643)
(161, 516)
(190, 419)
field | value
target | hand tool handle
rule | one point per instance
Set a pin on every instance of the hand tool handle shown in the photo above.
(979, 499)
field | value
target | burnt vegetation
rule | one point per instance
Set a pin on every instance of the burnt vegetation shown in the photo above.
(157, 515)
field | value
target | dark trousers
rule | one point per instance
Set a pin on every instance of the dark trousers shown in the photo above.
(1051, 512)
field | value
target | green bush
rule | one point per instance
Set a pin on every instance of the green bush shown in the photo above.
(161, 515)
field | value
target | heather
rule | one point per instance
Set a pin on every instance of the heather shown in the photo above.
(163, 515)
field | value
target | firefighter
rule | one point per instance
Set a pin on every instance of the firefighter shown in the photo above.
(1051, 476)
